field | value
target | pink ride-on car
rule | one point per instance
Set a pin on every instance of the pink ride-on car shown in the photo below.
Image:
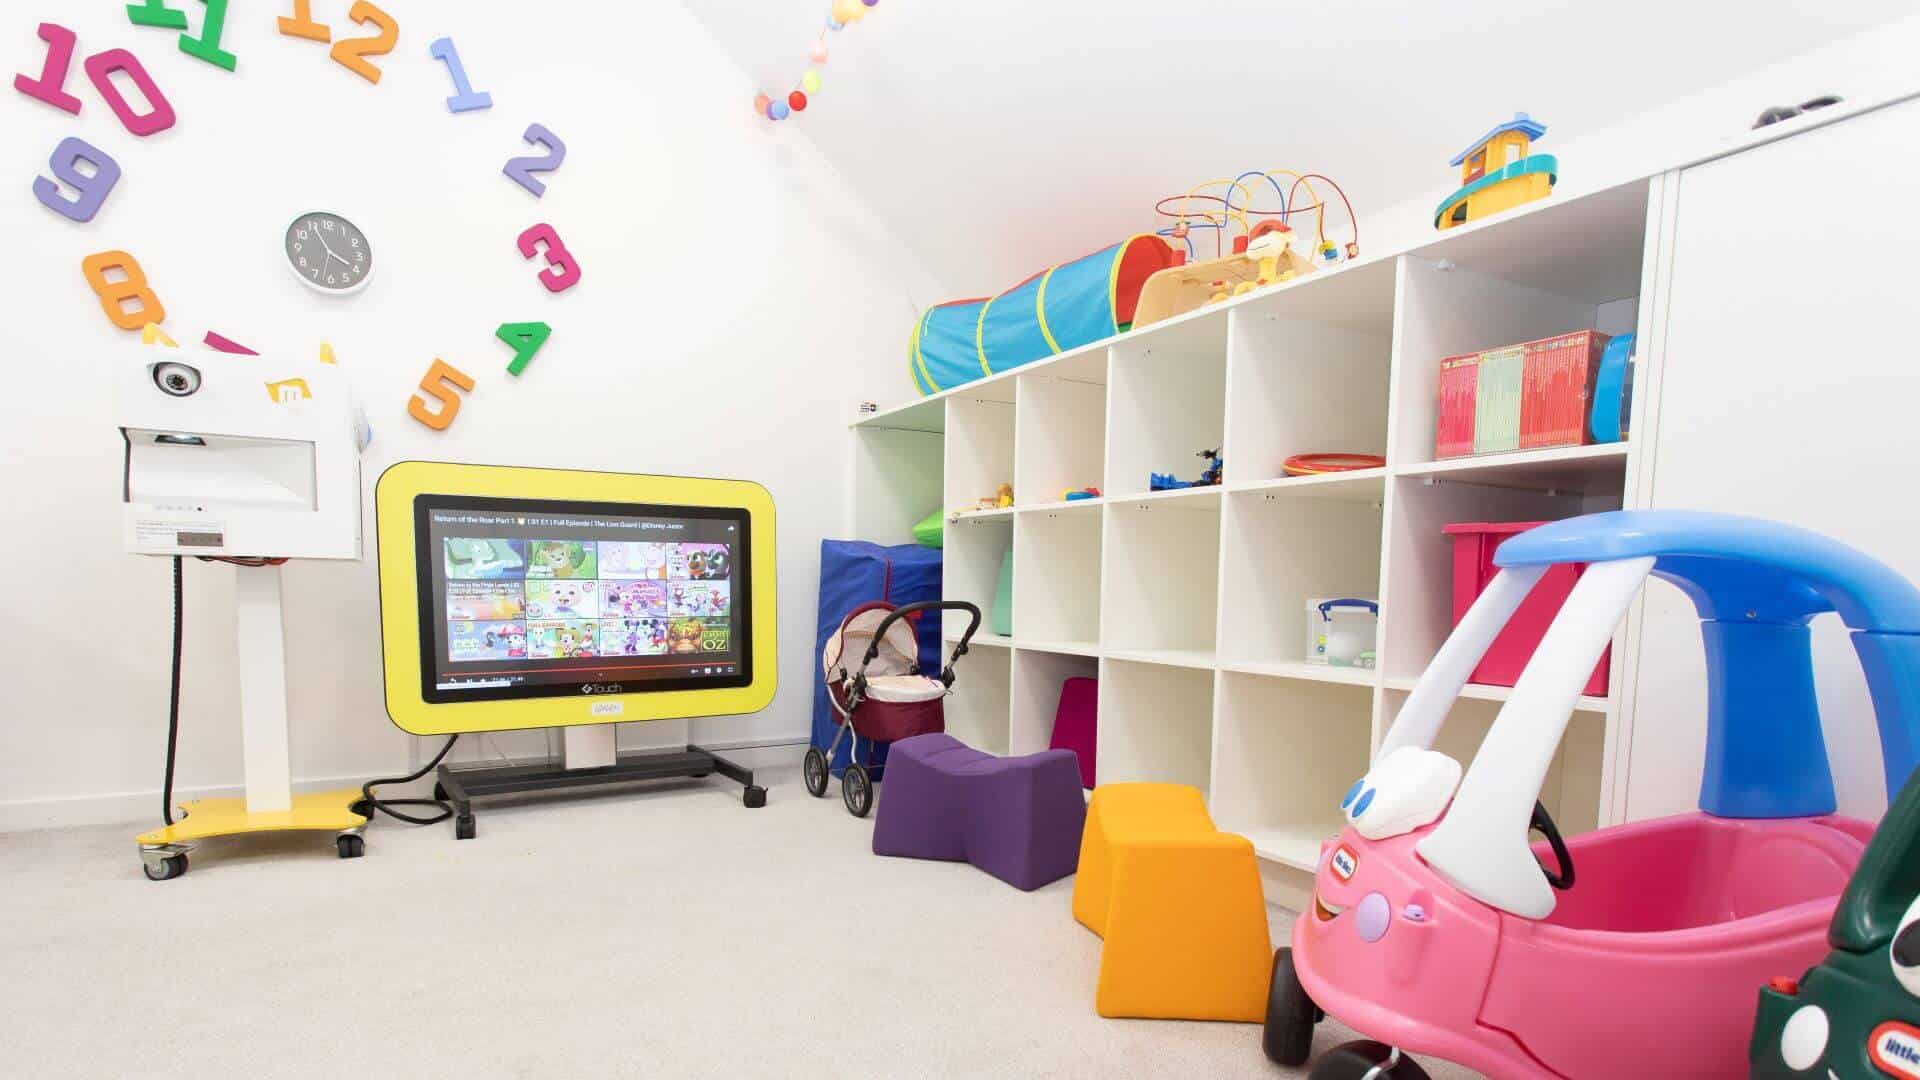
(1438, 928)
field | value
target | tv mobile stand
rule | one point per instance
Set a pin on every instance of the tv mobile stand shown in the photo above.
(589, 762)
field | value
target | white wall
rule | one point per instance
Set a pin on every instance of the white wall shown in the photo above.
(736, 302)
(1005, 136)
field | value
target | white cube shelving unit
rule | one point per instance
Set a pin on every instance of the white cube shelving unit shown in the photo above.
(1189, 605)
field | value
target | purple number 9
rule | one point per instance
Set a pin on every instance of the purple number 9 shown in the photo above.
(93, 189)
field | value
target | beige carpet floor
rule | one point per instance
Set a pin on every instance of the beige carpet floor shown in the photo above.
(638, 932)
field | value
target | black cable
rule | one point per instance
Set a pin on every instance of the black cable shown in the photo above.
(173, 701)
(386, 806)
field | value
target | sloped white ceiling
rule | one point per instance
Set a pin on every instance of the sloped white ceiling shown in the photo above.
(1000, 136)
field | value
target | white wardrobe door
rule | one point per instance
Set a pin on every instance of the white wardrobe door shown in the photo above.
(1790, 389)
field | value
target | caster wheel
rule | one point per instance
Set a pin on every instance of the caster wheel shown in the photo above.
(463, 827)
(351, 846)
(440, 791)
(170, 867)
(856, 790)
(814, 771)
(755, 797)
(1288, 1037)
(1367, 1060)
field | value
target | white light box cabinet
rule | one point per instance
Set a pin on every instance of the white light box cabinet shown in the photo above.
(1189, 605)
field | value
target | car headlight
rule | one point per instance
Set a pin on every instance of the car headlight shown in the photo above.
(1803, 1039)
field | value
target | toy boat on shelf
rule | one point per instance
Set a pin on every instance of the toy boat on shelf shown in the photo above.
(1499, 173)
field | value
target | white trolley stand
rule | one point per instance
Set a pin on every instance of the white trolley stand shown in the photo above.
(254, 461)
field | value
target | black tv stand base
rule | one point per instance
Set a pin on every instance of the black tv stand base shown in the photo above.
(463, 785)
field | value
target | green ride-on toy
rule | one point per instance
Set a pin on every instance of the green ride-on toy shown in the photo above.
(1856, 1014)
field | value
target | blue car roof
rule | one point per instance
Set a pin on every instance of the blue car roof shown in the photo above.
(1733, 566)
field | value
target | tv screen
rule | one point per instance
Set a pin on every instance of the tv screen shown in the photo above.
(528, 598)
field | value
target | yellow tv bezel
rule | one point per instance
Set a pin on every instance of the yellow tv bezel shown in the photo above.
(405, 481)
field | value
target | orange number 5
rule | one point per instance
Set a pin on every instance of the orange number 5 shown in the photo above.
(114, 295)
(438, 383)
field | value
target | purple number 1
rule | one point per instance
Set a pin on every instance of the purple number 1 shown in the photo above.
(521, 169)
(465, 99)
(93, 189)
(60, 42)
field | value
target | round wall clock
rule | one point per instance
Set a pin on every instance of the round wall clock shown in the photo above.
(329, 253)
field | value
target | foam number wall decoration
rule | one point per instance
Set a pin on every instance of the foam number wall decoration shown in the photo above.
(562, 273)
(352, 52)
(440, 383)
(130, 287)
(49, 87)
(465, 98)
(526, 339)
(101, 68)
(521, 169)
(156, 13)
(207, 45)
(301, 25)
(92, 190)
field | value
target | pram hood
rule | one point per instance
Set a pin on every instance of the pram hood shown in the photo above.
(899, 653)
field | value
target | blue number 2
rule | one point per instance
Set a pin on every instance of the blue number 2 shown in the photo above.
(465, 99)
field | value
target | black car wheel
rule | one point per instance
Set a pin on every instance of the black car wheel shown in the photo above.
(1367, 1060)
(1288, 1037)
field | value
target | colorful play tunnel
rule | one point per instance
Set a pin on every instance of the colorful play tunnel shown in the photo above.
(1063, 308)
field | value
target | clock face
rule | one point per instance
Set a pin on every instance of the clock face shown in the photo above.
(329, 253)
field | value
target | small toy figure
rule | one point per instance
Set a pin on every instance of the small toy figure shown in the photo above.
(1083, 493)
(1169, 482)
(1003, 497)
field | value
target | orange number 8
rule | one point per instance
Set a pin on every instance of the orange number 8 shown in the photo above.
(115, 294)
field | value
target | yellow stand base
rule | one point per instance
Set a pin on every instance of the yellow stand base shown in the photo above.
(320, 811)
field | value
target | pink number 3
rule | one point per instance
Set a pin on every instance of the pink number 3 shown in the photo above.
(562, 273)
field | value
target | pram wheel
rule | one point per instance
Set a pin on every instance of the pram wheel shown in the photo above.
(814, 771)
(1368, 1059)
(1288, 1037)
(856, 788)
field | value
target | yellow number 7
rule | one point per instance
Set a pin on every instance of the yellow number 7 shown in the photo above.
(438, 383)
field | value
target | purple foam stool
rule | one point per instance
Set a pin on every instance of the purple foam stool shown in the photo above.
(1017, 818)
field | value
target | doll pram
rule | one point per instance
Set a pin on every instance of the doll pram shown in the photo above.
(885, 697)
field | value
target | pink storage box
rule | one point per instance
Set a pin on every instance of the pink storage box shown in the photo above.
(1076, 723)
(1473, 547)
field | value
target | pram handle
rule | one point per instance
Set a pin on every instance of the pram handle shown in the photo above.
(959, 650)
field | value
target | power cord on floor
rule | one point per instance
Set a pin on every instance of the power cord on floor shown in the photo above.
(173, 702)
(370, 803)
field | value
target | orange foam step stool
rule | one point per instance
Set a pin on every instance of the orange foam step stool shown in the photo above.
(1178, 905)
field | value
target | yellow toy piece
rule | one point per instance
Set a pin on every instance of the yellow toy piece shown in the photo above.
(326, 354)
(1003, 497)
(1499, 172)
(1179, 905)
(1180, 289)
